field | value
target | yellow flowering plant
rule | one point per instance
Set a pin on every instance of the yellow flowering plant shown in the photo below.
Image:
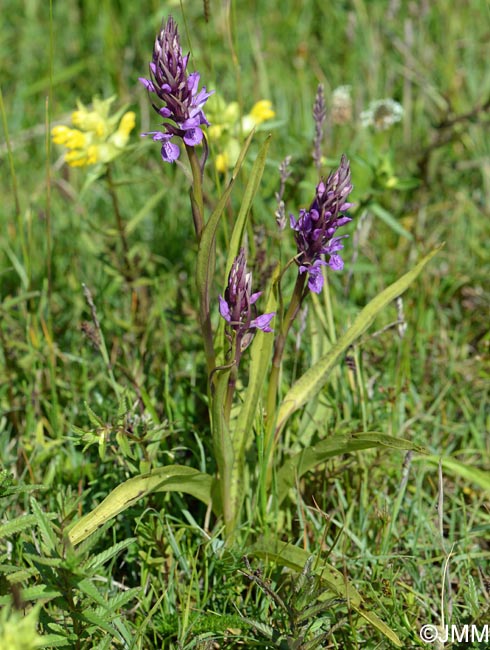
(99, 137)
(228, 130)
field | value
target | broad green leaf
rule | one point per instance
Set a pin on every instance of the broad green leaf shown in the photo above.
(465, 471)
(309, 384)
(285, 554)
(57, 641)
(40, 591)
(306, 460)
(175, 478)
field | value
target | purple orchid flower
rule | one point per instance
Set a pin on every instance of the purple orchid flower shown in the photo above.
(183, 103)
(316, 227)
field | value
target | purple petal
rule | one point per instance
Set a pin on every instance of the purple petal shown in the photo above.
(255, 296)
(336, 262)
(170, 152)
(193, 82)
(315, 283)
(193, 137)
(147, 84)
(262, 322)
(224, 309)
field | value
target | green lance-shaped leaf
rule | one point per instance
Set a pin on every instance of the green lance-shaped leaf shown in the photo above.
(246, 204)
(296, 558)
(465, 470)
(205, 256)
(240, 223)
(307, 459)
(174, 478)
(223, 451)
(309, 384)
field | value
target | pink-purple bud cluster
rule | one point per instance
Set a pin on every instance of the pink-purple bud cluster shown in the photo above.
(238, 305)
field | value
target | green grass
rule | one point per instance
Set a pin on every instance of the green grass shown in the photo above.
(159, 575)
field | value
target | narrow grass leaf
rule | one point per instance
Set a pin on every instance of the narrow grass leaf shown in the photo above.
(307, 459)
(313, 380)
(175, 478)
(152, 202)
(390, 220)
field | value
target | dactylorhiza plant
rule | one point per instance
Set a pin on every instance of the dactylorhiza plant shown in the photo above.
(235, 418)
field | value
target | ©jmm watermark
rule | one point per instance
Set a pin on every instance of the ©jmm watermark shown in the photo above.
(454, 633)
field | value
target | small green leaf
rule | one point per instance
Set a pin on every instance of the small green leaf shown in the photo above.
(17, 525)
(45, 525)
(101, 558)
(175, 478)
(309, 384)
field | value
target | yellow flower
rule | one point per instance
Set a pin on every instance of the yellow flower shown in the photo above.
(98, 138)
(222, 162)
(262, 111)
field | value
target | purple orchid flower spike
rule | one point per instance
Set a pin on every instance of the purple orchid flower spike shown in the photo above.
(316, 227)
(183, 104)
(238, 305)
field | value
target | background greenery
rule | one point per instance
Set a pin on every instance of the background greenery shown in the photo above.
(387, 521)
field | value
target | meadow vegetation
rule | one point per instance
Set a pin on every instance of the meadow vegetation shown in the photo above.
(163, 483)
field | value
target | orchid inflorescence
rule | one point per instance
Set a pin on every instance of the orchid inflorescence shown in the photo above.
(178, 90)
